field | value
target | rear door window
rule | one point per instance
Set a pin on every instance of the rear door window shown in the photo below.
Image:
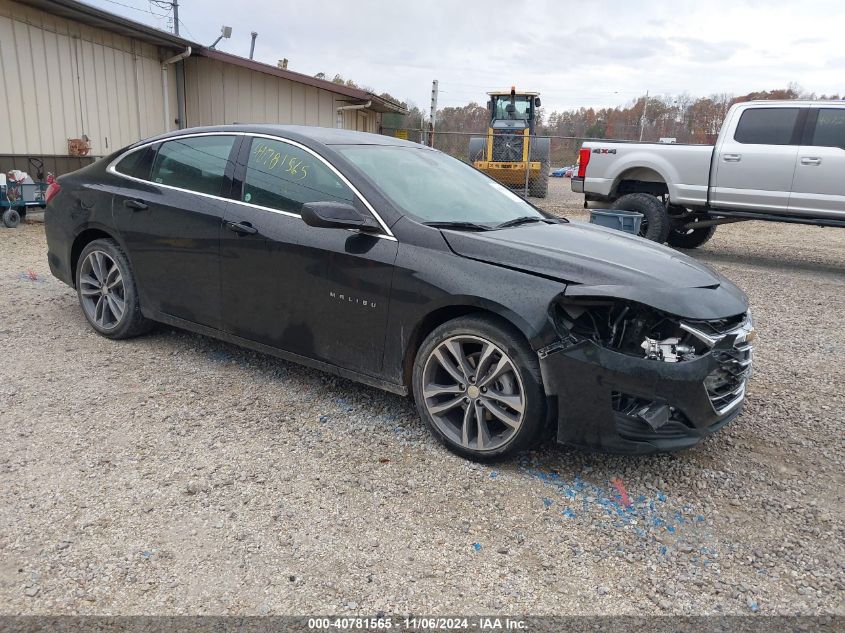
(137, 164)
(830, 128)
(282, 176)
(766, 126)
(196, 163)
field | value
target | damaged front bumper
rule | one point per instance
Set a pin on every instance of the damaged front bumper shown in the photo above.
(619, 403)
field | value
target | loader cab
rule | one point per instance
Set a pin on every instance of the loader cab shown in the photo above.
(509, 110)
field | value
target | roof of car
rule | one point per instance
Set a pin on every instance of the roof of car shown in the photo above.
(302, 133)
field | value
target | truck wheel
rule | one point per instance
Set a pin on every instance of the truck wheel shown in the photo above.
(477, 145)
(690, 238)
(539, 151)
(655, 225)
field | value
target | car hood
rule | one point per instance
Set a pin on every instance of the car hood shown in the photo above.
(596, 261)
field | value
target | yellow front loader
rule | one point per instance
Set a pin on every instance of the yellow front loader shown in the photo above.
(511, 152)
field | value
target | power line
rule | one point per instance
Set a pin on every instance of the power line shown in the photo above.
(129, 6)
(188, 30)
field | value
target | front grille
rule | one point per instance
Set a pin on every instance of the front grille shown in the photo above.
(733, 351)
(720, 327)
(507, 147)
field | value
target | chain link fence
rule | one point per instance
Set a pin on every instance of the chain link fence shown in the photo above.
(503, 156)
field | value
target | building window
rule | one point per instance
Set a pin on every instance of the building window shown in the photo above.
(197, 163)
(284, 177)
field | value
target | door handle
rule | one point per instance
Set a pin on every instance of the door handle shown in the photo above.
(731, 158)
(137, 205)
(241, 228)
(807, 160)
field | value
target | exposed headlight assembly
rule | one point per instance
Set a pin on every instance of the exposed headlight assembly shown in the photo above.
(669, 350)
(627, 327)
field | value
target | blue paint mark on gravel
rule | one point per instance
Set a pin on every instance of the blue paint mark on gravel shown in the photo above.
(660, 525)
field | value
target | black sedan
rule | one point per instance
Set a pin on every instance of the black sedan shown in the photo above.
(400, 267)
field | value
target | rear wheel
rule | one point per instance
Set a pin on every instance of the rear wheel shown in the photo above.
(680, 237)
(477, 386)
(655, 225)
(107, 292)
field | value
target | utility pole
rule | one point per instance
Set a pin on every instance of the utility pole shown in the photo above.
(179, 68)
(433, 120)
(642, 119)
(172, 5)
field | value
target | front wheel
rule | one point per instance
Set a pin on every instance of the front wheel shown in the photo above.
(540, 150)
(105, 285)
(477, 386)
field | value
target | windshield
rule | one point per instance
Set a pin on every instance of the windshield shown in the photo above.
(434, 187)
(522, 107)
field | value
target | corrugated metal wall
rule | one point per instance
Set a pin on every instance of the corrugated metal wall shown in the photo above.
(220, 93)
(62, 79)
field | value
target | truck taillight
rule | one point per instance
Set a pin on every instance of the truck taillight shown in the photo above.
(583, 159)
(52, 190)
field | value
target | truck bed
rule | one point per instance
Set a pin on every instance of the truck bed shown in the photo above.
(685, 168)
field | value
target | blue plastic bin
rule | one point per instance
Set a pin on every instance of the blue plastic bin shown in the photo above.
(628, 221)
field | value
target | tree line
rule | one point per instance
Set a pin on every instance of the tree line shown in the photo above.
(685, 118)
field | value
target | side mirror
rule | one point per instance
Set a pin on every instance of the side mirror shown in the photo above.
(536, 102)
(335, 215)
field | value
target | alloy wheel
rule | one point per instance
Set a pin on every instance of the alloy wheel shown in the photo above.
(473, 392)
(102, 290)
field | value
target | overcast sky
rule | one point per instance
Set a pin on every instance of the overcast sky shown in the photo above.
(575, 54)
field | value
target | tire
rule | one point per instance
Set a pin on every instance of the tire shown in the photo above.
(540, 150)
(656, 223)
(690, 238)
(11, 218)
(98, 262)
(477, 145)
(512, 385)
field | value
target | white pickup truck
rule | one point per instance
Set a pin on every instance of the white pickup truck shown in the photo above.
(780, 161)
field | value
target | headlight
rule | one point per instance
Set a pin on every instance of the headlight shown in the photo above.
(627, 327)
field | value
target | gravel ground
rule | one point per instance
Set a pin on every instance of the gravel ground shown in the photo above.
(177, 474)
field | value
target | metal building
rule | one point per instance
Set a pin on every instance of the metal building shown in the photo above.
(74, 76)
